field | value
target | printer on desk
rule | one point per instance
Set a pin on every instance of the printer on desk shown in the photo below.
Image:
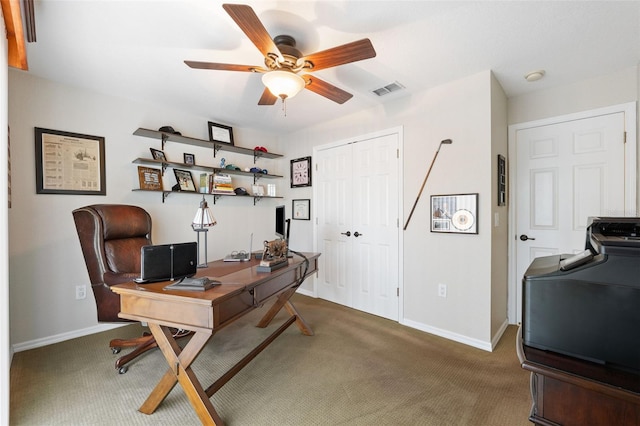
(588, 305)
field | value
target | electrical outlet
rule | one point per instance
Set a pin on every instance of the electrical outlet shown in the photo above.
(81, 292)
(442, 290)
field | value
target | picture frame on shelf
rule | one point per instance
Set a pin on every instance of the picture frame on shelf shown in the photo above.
(220, 133)
(150, 179)
(158, 154)
(69, 163)
(456, 213)
(502, 181)
(301, 209)
(185, 180)
(189, 159)
(301, 172)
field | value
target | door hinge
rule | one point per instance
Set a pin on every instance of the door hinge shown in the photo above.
(398, 291)
(625, 137)
(397, 153)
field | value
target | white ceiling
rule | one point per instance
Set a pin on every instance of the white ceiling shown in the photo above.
(136, 49)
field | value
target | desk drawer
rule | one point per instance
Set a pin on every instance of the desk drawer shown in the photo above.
(232, 308)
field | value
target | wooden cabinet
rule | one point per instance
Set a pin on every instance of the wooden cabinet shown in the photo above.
(569, 391)
(216, 147)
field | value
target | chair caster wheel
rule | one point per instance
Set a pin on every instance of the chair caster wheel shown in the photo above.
(115, 350)
(123, 370)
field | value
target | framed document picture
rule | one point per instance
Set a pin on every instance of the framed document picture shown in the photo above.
(220, 133)
(454, 213)
(150, 179)
(69, 163)
(301, 209)
(185, 180)
(301, 172)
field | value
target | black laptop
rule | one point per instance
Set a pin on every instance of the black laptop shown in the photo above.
(168, 262)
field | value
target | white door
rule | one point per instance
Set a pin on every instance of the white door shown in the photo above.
(358, 225)
(565, 173)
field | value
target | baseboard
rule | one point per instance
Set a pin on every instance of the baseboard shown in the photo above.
(498, 335)
(487, 346)
(37, 343)
(305, 292)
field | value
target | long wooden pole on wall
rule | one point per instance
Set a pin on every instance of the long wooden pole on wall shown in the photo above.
(17, 57)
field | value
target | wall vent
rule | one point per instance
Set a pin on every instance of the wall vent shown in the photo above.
(393, 87)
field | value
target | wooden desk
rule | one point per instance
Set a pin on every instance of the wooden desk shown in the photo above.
(205, 312)
(569, 391)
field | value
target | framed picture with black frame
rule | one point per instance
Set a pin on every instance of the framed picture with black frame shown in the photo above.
(69, 163)
(456, 213)
(301, 172)
(220, 133)
(185, 181)
(301, 209)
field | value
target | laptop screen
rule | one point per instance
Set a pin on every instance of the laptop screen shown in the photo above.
(168, 261)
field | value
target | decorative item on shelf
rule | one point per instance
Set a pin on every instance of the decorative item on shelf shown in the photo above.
(204, 183)
(260, 148)
(301, 209)
(169, 129)
(185, 181)
(454, 213)
(189, 159)
(157, 154)
(202, 221)
(222, 184)
(301, 172)
(258, 190)
(149, 178)
(220, 133)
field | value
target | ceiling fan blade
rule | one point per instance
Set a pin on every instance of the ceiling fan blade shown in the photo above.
(250, 24)
(327, 90)
(350, 52)
(223, 67)
(267, 98)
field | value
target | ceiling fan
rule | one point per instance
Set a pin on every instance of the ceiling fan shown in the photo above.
(283, 62)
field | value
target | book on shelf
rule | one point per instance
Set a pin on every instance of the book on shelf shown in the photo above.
(221, 183)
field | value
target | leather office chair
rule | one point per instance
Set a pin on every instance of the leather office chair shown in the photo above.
(111, 236)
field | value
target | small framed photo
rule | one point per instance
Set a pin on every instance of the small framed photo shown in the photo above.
(185, 180)
(220, 133)
(189, 159)
(454, 213)
(301, 172)
(157, 154)
(258, 190)
(301, 209)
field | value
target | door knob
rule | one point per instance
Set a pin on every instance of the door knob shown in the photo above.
(357, 234)
(348, 233)
(523, 237)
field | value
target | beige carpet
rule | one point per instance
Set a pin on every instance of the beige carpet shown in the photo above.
(358, 369)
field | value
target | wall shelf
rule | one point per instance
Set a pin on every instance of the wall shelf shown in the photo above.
(215, 146)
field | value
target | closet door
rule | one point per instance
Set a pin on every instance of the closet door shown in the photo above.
(358, 225)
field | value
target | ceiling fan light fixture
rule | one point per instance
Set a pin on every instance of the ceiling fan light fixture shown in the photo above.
(283, 84)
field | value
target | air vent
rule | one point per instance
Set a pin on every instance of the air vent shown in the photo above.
(393, 87)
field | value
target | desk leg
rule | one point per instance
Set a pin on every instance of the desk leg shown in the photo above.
(283, 301)
(180, 371)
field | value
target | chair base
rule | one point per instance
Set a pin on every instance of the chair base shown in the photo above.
(142, 344)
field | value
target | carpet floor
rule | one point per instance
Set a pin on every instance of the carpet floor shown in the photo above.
(358, 369)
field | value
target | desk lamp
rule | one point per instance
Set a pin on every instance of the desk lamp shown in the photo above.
(201, 223)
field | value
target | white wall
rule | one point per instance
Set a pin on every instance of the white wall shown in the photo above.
(460, 111)
(44, 254)
(5, 347)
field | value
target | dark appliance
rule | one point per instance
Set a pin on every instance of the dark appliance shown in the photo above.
(588, 305)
